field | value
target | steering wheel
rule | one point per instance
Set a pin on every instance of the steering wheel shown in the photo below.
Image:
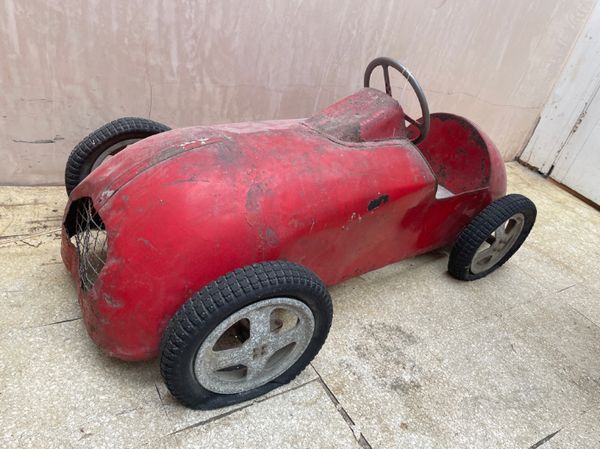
(385, 63)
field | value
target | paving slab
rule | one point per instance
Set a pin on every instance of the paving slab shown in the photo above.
(58, 387)
(567, 230)
(518, 381)
(584, 298)
(421, 297)
(567, 339)
(301, 418)
(497, 382)
(35, 287)
(181, 417)
(581, 432)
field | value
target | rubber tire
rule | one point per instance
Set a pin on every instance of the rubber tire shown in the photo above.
(196, 319)
(86, 152)
(481, 227)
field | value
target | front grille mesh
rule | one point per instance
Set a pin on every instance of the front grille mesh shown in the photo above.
(91, 242)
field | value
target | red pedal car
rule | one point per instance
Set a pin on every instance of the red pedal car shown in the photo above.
(212, 246)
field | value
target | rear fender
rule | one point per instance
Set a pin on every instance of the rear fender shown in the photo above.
(462, 157)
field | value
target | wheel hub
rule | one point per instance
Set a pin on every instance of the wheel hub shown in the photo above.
(254, 345)
(259, 351)
(498, 244)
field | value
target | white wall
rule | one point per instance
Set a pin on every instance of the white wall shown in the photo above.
(68, 66)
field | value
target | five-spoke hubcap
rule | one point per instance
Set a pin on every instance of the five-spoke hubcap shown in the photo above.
(254, 345)
(497, 244)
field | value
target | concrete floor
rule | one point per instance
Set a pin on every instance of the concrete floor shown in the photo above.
(414, 357)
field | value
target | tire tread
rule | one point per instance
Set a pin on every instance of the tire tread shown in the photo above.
(260, 280)
(118, 129)
(482, 226)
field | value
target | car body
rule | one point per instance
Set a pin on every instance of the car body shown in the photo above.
(342, 193)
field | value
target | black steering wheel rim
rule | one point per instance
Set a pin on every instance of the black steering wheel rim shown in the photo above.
(385, 63)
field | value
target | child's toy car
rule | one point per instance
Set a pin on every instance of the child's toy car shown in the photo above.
(211, 246)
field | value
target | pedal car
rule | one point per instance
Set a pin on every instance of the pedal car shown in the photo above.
(212, 246)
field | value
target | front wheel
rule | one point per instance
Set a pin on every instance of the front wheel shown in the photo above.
(492, 237)
(104, 143)
(245, 334)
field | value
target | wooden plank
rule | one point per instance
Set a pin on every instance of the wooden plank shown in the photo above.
(577, 85)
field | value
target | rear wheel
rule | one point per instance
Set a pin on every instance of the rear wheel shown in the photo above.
(492, 237)
(245, 334)
(104, 143)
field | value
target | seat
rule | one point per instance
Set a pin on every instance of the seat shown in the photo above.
(367, 115)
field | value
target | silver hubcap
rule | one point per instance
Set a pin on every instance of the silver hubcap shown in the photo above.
(254, 345)
(111, 151)
(497, 244)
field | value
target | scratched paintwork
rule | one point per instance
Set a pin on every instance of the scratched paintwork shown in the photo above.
(184, 207)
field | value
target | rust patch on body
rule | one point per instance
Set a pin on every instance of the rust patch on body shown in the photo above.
(254, 196)
(271, 237)
(112, 302)
(147, 243)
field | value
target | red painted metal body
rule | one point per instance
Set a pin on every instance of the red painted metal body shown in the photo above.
(343, 193)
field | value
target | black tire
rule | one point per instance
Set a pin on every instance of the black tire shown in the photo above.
(480, 229)
(205, 310)
(84, 155)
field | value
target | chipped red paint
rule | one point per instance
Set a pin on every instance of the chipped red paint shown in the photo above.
(187, 206)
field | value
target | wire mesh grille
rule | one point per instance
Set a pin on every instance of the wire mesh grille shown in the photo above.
(91, 242)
